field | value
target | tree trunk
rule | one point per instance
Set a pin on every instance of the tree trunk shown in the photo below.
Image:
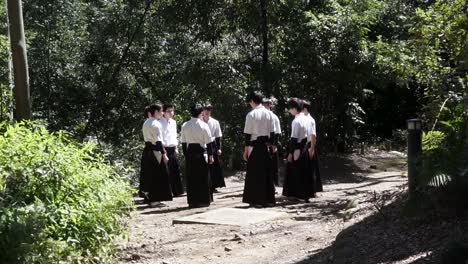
(20, 61)
(265, 58)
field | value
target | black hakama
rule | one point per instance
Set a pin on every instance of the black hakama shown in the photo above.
(216, 172)
(156, 178)
(143, 185)
(275, 167)
(198, 178)
(318, 177)
(174, 172)
(299, 181)
(259, 188)
(313, 168)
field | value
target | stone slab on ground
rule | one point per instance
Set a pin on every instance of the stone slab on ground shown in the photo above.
(231, 216)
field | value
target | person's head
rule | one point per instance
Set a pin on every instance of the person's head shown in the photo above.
(207, 110)
(305, 106)
(168, 110)
(155, 110)
(146, 112)
(254, 98)
(196, 110)
(268, 103)
(294, 106)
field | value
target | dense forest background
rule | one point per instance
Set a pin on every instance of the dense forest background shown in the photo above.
(366, 66)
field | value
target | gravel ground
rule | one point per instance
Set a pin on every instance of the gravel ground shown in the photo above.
(357, 219)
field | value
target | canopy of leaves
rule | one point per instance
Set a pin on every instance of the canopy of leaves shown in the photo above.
(367, 66)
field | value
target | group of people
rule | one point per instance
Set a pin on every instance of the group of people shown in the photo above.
(262, 132)
(201, 139)
(201, 136)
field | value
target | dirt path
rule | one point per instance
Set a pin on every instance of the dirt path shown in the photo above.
(354, 187)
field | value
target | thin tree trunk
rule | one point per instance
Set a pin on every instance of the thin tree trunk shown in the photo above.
(20, 61)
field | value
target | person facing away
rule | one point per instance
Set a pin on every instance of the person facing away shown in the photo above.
(259, 188)
(155, 159)
(268, 104)
(142, 188)
(170, 143)
(197, 146)
(216, 172)
(298, 182)
(313, 163)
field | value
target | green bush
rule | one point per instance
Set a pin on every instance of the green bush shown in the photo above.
(445, 151)
(59, 202)
(436, 159)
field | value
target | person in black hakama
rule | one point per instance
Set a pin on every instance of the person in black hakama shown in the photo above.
(259, 188)
(154, 159)
(142, 188)
(170, 144)
(313, 162)
(216, 172)
(197, 146)
(298, 182)
(268, 104)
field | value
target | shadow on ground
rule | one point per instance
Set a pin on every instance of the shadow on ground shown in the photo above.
(343, 168)
(389, 237)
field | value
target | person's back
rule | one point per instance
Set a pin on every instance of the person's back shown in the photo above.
(195, 131)
(215, 127)
(299, 127)
(311, 128)
(196, 141)
(146, 129)
(259, 188)
(259, 122)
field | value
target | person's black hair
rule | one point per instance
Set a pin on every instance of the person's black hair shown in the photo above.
(146, 111)
(267, 100)
(208, 107)
(196, 110)
(295, 103)
(255, 96)
(166, 106)
(154, 108)
(306, 104)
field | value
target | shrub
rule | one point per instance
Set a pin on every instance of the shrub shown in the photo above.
(59, 202)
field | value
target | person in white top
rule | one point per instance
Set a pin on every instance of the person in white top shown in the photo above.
(196, 143)
(313, 165)
(298, 183)
(142, 188)
(268, 104)
(216, 172)
(259, 188)
(170, 143)
(155, 159)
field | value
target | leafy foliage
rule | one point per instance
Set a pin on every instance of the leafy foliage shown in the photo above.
(367, 66)
(59, 201)
(6, 104)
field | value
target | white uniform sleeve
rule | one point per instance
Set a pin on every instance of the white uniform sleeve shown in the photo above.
(249, 125)
(165, 131)
(277, 125)
(217, 131)
(175, 133)
(295, 129)
(159, 131)
(313, 130)
(182, 134)
(207, 134)
(270, 125)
